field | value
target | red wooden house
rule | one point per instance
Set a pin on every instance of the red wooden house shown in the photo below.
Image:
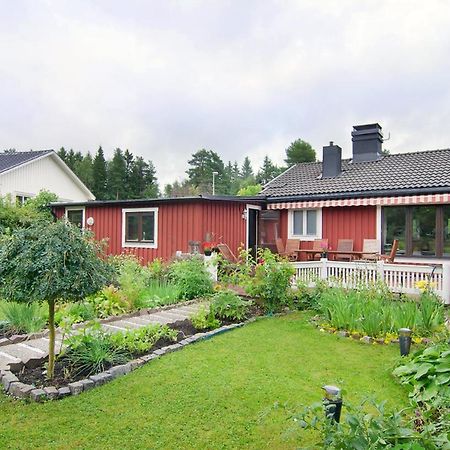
(158, 228)
(373, 195)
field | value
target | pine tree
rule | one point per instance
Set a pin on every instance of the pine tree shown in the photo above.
(99, 175)
(267, 172)
(62, 154)
(247, 170)
(117, 175)
(298, 152)
(85, 171)
(203, 163)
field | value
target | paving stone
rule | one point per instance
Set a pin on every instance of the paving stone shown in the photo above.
(135, 363)
(118, 371)
(37, 395)
(343, 333)
(76, 388)
(8, 379)
(64, 391)
(97, 379)
(87, 384)
(4, 341)
(21, 390)
(367, 340)
(147, 358)
(51, 392)
(160, 351)
(18, 338)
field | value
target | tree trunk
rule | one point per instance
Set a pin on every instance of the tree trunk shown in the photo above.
(51, 336)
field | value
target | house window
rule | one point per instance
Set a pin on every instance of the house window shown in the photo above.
(75, 216)
(305, 224)
(420, 230)
(140, 227)
(22, 199)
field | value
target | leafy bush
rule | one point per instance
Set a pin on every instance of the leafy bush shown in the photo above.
(24, 317)
(75, 312)
(90, 351)
(428, 372)
(191, 278)
(226, 305)
(109, 302)
(204, 319)
(142, 339)
(361, 429)
(158, 270)
(272, 280)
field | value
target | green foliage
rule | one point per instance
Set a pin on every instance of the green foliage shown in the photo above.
(272, 280)
(51, 261)
(204, 319)
(226, 305)
(35, 210)
(132, 279)
(252, 189)
(89, 351)
(108, 302)
(158, 270)
(202, 165)
(373, 311)
(363, 428)
(428, 372)
(75, 312)
(191, 278)
(298, 152)
(141, 340)
(99, 175)
(268, 171)
(158, 293)
(23, 317)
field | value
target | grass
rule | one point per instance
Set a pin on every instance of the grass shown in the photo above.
(159, 293)
(217, 393)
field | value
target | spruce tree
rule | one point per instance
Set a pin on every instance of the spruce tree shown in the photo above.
(117, 176)
(99, 175)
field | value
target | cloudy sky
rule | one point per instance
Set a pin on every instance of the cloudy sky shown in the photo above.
(166, 78)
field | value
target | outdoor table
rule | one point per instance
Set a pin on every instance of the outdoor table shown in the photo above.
(352, 253)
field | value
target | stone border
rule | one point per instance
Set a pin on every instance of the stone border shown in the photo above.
(17, 389)
(17, 338)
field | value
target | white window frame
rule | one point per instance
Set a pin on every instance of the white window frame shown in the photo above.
(305, 237)
(76, 208)
(22, 195)
(126, 244)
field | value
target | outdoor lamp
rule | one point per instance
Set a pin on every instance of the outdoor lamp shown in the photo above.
(332, 402)
(404, 337)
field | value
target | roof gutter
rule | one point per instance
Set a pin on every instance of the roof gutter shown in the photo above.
(360, 194)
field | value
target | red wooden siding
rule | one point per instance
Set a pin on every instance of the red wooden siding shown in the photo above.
(178, 223)
(357, 223)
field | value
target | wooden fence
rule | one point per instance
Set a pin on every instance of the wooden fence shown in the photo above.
(404, 278)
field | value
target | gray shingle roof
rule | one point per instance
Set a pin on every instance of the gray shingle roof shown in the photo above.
(399, 172)
(10, 160)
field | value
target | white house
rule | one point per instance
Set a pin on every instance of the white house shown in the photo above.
(25, 174)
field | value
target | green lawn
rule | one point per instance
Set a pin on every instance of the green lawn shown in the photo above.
(210, 395)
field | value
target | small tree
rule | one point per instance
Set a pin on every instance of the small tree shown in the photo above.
(51, 262)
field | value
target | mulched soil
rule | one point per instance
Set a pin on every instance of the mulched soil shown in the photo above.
(37, 376)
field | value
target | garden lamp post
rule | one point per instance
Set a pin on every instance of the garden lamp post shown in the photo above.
(404, 338)
(332, 402)
(214, 182)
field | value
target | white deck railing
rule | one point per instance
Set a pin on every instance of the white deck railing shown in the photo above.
(398, 277)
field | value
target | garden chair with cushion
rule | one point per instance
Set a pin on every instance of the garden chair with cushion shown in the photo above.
(370, 249)
(344, 245)
(321, 245)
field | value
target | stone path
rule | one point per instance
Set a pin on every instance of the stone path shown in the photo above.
(32, 351)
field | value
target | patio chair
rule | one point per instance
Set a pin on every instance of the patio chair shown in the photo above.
(344, 245)
(290, 250)
(372, 247)
(321, 245)
(390, 258)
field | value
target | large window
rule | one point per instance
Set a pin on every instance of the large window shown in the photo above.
(421, 230)
(140, 227)
(305, 223)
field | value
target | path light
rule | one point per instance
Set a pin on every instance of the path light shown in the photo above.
(404, 337)
(332, 402)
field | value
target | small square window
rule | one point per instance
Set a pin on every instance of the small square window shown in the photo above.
(75, 217)
(140, 227)
(305, 223)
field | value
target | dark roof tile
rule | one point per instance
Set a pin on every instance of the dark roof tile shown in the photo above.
(10, 160)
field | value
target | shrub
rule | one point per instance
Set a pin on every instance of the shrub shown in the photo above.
(157, 293)
(109, 302)
(226, 305)
(191, 278)
(24, 317)
(158, 270)
(204, 319)
(90, 351)
(272, 280)
(75, 312)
